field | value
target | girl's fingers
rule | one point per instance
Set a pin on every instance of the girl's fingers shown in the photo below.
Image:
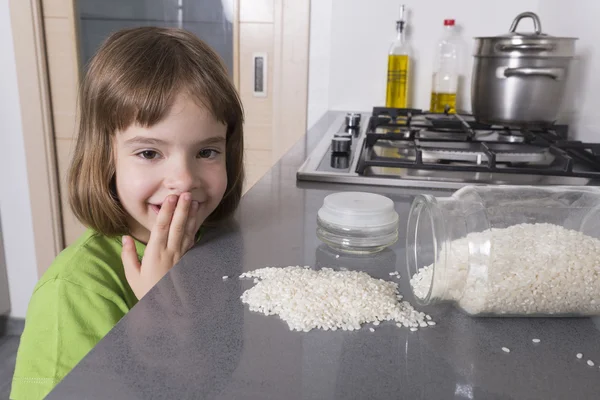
(131, 263)
(159, 235)
(179, 222)
(190, 229)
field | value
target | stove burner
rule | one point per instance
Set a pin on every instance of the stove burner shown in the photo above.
(413, 139)
(511, 136)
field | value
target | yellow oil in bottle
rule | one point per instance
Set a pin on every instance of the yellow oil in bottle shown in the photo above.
(439, 101)
(397, 81)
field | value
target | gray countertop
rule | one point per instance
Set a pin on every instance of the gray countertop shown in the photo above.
(192, 338)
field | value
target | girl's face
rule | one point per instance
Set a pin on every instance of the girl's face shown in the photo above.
(185, 152)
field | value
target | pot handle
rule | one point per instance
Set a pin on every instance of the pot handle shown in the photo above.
(526, 47)
(537, 25)
(554, 73)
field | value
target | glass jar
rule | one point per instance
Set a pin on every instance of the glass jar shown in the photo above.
(507, 250)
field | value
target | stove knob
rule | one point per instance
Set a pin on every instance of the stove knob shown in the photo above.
(352, 120)
(352, 131)
(340, 161)
(344, 135)
(340, 145)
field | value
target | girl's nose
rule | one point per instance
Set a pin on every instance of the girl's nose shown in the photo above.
(181, 178)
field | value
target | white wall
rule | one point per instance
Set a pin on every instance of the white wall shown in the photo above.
(4, 294)
(15, 208)
(582, 101)
(361, 35)
(350, 42)
(319, 47)
(319, 56)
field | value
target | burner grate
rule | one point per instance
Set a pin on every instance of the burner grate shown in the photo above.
(423, 133)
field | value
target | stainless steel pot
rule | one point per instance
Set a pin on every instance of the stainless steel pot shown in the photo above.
(519, 79)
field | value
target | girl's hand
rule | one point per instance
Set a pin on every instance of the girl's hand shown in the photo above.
(172, 235)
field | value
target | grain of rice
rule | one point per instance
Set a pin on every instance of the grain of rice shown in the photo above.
(590, 363)
(225, 277)
(532, 269)
(326, 299)
(536, 340)
(506, 349)
(372, 330)
(579, 356)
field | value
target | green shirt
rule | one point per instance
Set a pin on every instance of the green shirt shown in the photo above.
(79, 299)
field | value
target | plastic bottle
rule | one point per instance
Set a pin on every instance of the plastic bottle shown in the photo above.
(446, 71)
(398, 67)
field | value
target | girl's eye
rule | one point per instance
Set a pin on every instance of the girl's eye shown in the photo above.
(208, 153)
(148, 154)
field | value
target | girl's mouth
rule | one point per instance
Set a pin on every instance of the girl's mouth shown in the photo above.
(155, 207)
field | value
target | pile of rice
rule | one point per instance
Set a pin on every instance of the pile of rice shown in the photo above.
(326, 299)
(533, 269)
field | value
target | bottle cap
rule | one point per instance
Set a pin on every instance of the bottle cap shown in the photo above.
(448, 22)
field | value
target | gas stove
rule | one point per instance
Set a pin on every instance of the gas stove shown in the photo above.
(414, 148)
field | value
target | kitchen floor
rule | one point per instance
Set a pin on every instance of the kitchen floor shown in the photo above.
(8, 355)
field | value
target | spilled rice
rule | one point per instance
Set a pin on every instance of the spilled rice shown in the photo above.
(326, 299)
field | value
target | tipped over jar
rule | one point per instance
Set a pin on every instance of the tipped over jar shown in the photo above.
(507, 250)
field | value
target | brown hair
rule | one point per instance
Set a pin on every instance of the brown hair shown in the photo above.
(134, 78)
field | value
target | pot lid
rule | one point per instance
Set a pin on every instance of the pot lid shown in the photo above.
(536, 35)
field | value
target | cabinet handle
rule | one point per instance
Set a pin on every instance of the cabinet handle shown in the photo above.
(259, 66)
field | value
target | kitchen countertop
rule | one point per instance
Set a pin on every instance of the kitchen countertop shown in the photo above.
(191, 337)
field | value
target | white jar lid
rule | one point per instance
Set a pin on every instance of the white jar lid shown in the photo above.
(358, 209)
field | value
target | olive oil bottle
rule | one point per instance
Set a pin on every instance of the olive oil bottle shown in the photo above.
(446, 67)
(398, 71)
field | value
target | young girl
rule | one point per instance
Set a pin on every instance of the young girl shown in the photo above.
(159, 153)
